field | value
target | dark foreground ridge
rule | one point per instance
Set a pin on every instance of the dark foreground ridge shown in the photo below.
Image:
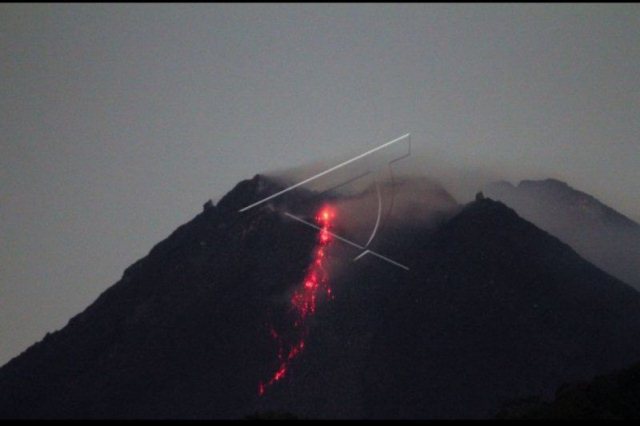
(612, 396)
(493, 309)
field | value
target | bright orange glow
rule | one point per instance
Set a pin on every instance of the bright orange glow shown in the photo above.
(304, 300)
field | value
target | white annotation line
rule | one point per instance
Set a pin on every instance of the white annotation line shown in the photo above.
(323, 173)
(358, 246)
(361, 255)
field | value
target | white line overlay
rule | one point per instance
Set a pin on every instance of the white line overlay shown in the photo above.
(334, 168)
(351, 243)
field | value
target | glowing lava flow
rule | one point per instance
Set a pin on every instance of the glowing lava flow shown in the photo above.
(304, 301)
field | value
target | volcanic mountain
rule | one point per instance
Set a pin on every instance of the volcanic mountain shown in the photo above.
(491, 309)
(596, 231)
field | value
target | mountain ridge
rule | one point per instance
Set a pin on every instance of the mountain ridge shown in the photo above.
(492, 308)
(599, 233)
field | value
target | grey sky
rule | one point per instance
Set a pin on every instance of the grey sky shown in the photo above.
(119, 121)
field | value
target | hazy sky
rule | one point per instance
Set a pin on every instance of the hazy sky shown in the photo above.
(119, 121)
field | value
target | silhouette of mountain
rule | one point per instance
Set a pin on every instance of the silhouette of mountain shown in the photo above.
(611, 396)
(597, 232)
(491, 309)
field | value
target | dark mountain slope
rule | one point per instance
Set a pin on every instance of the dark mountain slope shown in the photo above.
(612, 396)
(496, 308)
(599, 233)
(178, 335)
(492, 309)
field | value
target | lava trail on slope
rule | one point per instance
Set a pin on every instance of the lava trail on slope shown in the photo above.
(304, 301)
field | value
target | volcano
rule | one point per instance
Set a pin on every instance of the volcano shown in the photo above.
(600, 234)
(491, 308)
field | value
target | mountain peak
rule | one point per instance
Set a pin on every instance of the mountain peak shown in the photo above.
(556, 191)
(245, 192)
(549, 183)
(491, 308)
(596, 231)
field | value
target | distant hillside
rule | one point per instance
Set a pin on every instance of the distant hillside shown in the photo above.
(597, 232)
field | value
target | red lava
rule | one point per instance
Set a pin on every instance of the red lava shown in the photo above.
(304, 301)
